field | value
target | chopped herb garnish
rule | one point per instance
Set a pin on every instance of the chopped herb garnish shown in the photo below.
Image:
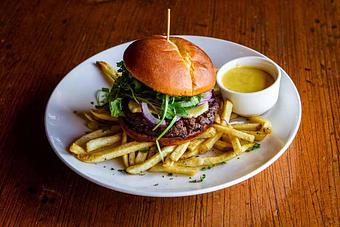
(256, 146)
(92, 103)
(122, 170)
(211, 166)
(173, 121)
(155, 184)
(200, 180)
(171, 178)
(159, 149)
(170, 174)
(206, 168)
(112, 169)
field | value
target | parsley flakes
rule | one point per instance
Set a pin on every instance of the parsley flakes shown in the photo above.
(256, 146)
(199, 180)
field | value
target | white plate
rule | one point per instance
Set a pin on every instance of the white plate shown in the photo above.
(77, 90)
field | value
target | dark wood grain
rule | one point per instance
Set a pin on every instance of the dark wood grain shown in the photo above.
(40, 41)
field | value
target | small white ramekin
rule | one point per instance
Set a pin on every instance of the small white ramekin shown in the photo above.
(253, 103)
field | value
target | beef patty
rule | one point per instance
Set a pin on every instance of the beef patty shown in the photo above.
(182, 128)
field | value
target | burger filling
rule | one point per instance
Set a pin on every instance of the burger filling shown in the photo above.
(152, 113)
(183, 127)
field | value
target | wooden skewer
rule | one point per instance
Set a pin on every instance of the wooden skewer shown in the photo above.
(168, 27)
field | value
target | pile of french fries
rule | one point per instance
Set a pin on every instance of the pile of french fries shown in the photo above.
(219, 143)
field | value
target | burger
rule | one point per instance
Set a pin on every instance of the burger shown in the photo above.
(164, 91)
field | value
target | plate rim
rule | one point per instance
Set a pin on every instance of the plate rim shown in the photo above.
(194, 191)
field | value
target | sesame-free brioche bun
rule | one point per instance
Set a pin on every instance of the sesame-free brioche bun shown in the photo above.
(176, 67)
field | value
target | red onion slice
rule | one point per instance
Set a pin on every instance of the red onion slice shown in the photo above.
(206, 97)
(148, 115)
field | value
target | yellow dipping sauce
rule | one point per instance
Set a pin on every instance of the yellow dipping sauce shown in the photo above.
(246, 79)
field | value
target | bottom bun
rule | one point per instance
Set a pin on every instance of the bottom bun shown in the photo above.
(163, 141)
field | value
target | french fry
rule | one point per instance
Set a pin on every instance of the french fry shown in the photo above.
(176, 154)
(76, 149)
(222, 145)
(235, 142)
(233, 116)
(259, 119)
(141, 157)
(111, 153)
(210, 132)
(168, 162)
(234, 132)
(190, 171)
(194, 144)
(102, 142)
(152, 152)
(190, 154)
(93, 125)
(266, 125)
(226, 113)
(217, 119)
(92, 135)
(193, 148)
(207, 161)
(213, 160)
(109, 73)
(101, 115)
(225, 138)
(88, 117)
(154, 160)
(247, 126)
(209, 143)
(132, 157)
(126, 156)
(247, 146)
(179, 151)
(259, 135)
(267, 130)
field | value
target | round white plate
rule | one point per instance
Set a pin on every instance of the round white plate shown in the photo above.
(77, 90)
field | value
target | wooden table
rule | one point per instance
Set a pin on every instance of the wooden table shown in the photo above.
(40, 41)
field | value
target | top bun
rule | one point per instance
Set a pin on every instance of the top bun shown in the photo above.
(176, 68)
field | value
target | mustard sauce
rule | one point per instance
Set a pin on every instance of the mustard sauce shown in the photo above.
(246, 79)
